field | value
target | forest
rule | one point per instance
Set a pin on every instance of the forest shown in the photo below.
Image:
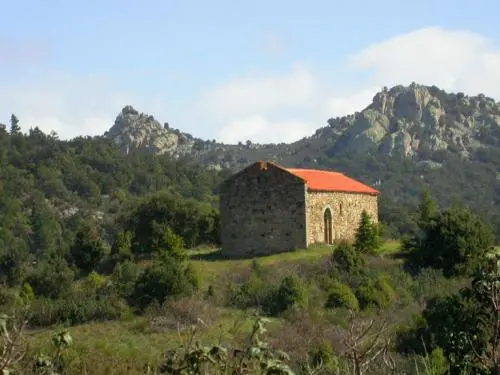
(109, 264)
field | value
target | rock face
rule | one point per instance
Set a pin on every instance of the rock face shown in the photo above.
(401, 122)
(409, 121)
(137, 131)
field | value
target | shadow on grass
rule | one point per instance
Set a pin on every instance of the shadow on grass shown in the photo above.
(218, 255)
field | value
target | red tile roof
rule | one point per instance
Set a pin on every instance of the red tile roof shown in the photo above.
(330, 181)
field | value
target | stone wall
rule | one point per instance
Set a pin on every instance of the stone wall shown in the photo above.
(346, 209)
(262, 211)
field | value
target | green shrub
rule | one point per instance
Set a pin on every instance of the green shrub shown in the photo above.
(124, 277)
(167, 278)
(341, 296)
(51, 278)
(77, 308)
(375, 291)
(88, 249)
(346, 259)
(291, 292)
(253, 293)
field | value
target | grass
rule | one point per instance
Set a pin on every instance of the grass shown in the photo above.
(210, 264)
(125, 347)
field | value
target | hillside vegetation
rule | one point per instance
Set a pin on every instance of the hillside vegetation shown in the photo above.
(109, 260)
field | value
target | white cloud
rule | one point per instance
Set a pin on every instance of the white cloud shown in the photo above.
(260, 130)
(263, 107)
(245, 95)
(453, 60)
(450, 59)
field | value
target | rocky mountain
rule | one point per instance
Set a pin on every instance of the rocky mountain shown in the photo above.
(404, 122)
(408, 138)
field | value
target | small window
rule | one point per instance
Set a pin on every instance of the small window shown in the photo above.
(341, 209)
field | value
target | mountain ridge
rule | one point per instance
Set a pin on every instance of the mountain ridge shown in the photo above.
(402, 122)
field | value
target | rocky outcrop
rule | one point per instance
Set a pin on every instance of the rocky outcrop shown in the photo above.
(407, 121)
(137, 131)
(402, 122)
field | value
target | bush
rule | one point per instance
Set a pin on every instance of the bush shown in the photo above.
(77, 308)
(51, 278)
(254, 292)
(376, 291)
(167, 278)
(88, 249)
(341, 296)
(124, 277)
(292, 292)
(346, 259)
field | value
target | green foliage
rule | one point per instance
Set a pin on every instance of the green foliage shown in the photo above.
(196, 223)
(122, 246)
(455, 242)
(88, 249)
(257, 358)
(375, 291)
(464, 325)
(26, 293)
(346, 259)
(367, 236)
(50, 278)
(165, 243)
(291, 293)
(166, 278)
(254, 292)
(341, 296)
(124, 277)
(427, 209)
(79, 306)
(257, 292)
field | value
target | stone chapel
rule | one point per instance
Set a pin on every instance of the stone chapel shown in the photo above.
(266, 208)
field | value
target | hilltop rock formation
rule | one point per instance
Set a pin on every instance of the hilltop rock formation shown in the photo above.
(402, 122)
(137, 131)
(410, 121)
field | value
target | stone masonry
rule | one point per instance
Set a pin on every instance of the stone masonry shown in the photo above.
(346, 209)
(267, 209)
(262, 211)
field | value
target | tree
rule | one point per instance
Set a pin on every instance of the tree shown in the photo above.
(165, 243)
(14, 125)
(465, 325)
(367, 236)
(455, 241)
(88, 249)
(427, 209)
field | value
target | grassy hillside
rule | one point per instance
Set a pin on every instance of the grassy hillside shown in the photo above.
(126, 346)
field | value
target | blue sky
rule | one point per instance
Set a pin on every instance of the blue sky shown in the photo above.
(266, 71)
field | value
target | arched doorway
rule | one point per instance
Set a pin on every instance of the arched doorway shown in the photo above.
(327, 218)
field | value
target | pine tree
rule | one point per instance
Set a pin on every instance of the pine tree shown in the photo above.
(367, 236)
(14, 125)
